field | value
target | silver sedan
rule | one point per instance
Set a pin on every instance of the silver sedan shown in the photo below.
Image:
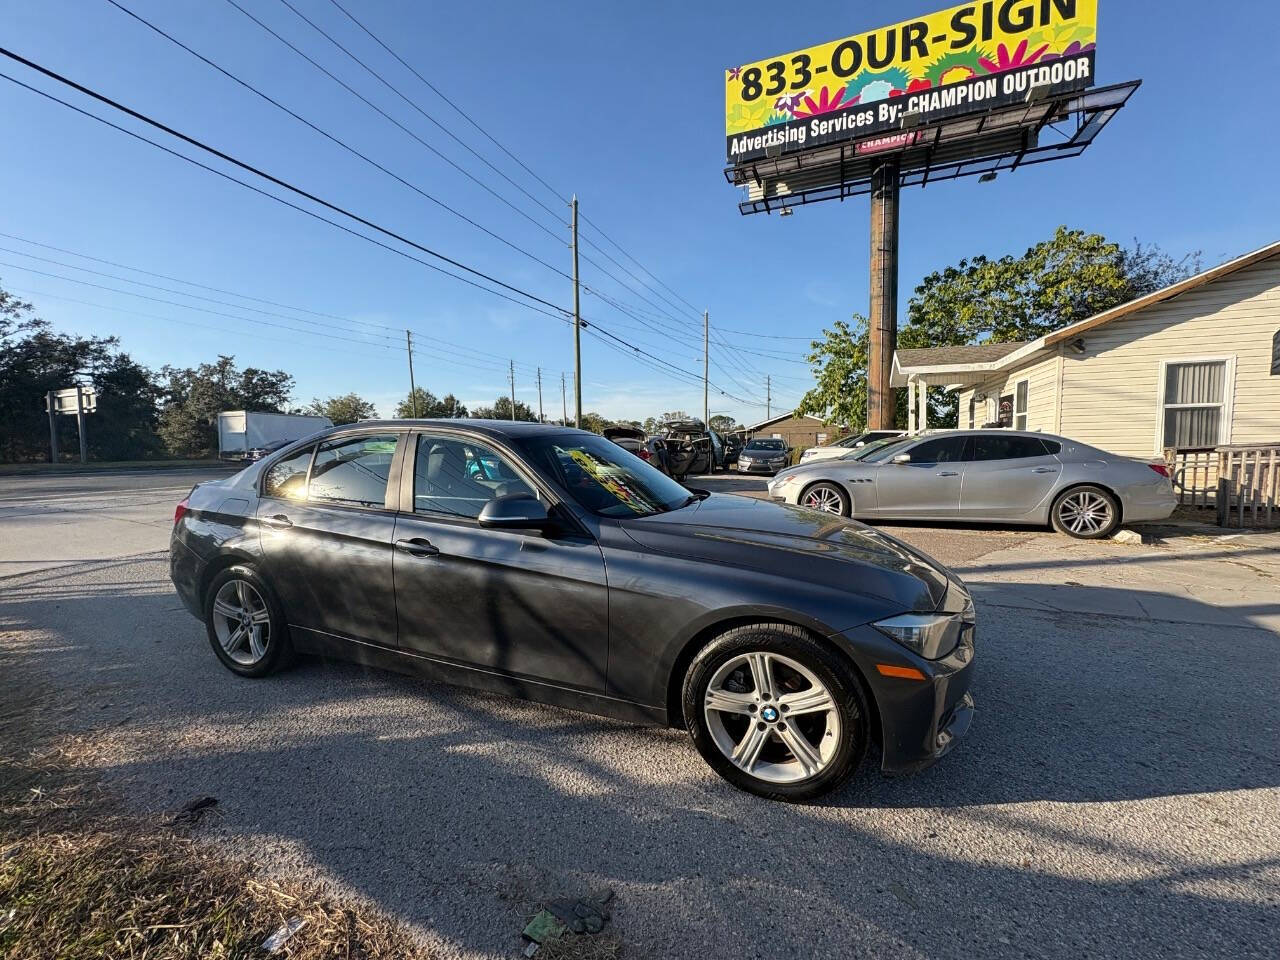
(1003, 476)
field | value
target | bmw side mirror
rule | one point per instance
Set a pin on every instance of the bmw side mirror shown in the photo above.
(518, 511)
(901, 458)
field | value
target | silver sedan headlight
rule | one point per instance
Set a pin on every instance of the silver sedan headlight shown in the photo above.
(930, 635)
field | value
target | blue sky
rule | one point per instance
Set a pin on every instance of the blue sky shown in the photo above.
(622, 103)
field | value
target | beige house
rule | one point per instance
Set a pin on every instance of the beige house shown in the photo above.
(1193, 366)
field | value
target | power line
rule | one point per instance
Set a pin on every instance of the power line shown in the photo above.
(342, 326)
(396, 90)
(259, 173)
(335, 139)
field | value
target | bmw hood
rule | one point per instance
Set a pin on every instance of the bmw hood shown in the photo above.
(799, 544)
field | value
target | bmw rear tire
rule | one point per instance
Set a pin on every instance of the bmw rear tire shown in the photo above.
(244, 622)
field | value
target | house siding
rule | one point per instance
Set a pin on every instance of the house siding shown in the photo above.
(1111, 393)
(1041, 374)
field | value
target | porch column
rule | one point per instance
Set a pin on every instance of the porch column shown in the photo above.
(911, 405)
(922, 404)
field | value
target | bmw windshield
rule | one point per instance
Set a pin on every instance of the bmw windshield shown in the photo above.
(603, 477)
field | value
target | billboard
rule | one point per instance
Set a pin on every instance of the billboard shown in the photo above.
(966, 59)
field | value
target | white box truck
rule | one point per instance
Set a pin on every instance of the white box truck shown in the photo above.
(240, 431)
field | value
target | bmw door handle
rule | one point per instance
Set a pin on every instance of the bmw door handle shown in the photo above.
(279, 521)
(417, 547)
(1045, 470)
(948, 473)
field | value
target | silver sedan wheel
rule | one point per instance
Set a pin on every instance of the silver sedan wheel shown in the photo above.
(1084, 512)
(241, 622)
(772, 717)
(821, 498)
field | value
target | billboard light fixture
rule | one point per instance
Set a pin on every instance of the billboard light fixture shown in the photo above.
(785, 212)
(773, 150)
(911, 119)
(1038, 91)
(987, 177)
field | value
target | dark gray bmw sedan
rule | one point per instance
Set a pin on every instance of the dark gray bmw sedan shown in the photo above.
(551, 564)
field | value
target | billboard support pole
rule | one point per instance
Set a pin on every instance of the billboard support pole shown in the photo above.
(53, 428)
(577, 326)
(84, 445)
(883, 314)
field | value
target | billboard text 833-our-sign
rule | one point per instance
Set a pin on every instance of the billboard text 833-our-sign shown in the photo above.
(966, 59)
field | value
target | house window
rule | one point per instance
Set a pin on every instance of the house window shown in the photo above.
(1275, 354)
(973, 409)
(1020, 395)
(1195, 397)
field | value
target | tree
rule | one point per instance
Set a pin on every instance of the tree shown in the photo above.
(35, 360)
(1067, 278)
(501, 410)
(839, 363)
(429, 405)
(722, 424)
(195, 396)
(655, 425)
(595, 422)
(347, 408)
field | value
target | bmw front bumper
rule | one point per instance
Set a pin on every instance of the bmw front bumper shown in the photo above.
(920, 719)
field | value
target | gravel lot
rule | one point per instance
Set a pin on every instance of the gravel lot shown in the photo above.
(1117, 795)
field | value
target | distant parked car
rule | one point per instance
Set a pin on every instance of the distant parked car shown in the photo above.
(652, 450)
(254, 454)
(845, 445)
(765, 455)
(693, 448)
(1006, 476)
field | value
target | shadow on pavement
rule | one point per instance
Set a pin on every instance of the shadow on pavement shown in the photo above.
(457, 811)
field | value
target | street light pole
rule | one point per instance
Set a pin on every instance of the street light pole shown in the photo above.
(541, 419)
(512, 376)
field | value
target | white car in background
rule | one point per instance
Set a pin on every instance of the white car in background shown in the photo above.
(847, 445)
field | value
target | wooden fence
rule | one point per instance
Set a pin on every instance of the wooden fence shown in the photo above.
(1195, 476)
(1240, 483)
(1249, 486)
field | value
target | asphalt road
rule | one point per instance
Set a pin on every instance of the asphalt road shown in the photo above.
(1117, 795)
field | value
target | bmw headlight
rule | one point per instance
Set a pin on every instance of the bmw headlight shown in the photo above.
(931, 635)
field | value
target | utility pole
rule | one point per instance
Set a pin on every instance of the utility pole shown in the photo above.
(768, 399)
(706, 360)
(512, 377)
(577, 326)
(541, 419)
(413, 391)
(564, 404)
(883, 315)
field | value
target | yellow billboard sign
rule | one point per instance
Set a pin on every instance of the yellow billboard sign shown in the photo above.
(965, 59)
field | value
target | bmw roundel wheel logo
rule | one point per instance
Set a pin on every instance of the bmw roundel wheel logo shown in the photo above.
(769, 714)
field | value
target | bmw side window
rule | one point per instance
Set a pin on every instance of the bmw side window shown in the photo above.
(940, 450)
(989, 447)
(353, 471)
(455, 476)
(288, 478)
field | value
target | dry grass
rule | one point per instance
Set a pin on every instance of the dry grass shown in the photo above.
(78, 879)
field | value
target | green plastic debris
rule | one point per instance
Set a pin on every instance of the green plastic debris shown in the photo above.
(543, 927)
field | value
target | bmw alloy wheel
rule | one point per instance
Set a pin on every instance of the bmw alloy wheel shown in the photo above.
(242, 622)
(772, 717)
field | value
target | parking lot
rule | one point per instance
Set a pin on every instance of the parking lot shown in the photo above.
(1117, 795)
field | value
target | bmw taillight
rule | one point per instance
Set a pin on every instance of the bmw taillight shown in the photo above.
(1160, 468)
(180, 510)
